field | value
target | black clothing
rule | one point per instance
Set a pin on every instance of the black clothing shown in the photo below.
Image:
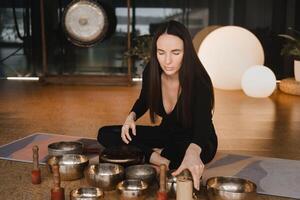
(170, 135)
(174, 144)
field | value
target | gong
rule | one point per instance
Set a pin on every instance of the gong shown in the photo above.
(85, 22)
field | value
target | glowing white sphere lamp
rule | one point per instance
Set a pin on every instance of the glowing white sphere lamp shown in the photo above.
(201, 35)
(258, 81)
(227, 53)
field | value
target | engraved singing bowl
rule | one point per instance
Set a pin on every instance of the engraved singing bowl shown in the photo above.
(145, 173)
(64, 147)
(132, 189)
(104, 175)
(230, 188)
(87, 193)
(71, 166)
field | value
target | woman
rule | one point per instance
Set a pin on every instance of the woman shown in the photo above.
(177, 88)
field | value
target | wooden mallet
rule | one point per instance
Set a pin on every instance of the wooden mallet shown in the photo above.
(57, 193)
(162, 192)
(36, 172)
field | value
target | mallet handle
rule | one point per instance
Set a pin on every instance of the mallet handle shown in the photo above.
(35, 157)
(162, 178)
(56, 177)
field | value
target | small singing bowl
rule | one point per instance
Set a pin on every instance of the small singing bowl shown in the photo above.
(132, 189)
(71, 166)
(104, 175)
(230, 188)
(86, 193)
(171, 181)
(61, 148)
(146, 173)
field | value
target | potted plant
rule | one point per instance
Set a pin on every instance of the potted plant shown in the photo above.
(292, 48)
(141, 50)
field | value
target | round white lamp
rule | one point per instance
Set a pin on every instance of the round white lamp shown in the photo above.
(201, 35)
(227, 52)
(258, 81)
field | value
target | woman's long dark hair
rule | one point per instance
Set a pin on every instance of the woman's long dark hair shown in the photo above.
(191, 68)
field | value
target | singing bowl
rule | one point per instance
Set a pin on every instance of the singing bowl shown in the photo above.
(104, 175)
(230, 188)
(86, 193)
(63, 147)
(171, 181)
(124, 155)
(132, 189)
(145, 173)
(71, 166)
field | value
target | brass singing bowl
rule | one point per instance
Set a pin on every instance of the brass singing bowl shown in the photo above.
(230, 188)
(71, 166)
(171, 181)
(104, 175)
(86, 193)
(132, 189)
(146, 173)
(124, 155)
(63, 147)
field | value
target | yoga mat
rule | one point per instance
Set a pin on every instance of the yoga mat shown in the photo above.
(273, 176)
(21, 149)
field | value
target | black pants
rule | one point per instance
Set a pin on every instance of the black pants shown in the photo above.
(148, 137)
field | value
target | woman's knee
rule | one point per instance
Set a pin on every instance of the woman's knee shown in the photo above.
(209, 151)
(109, 135)
(104, 135)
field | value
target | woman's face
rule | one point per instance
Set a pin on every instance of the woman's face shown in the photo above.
(169, 53)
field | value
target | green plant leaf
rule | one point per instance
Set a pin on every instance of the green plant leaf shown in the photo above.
(287, 37)
(292, 44)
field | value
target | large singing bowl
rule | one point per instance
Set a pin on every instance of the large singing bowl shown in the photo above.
(124, 155)
(146, 173)
(65, 147)
(71, 166)
(104, 175)
(230, 188)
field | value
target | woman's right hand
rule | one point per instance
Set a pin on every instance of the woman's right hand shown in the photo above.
(128, 124)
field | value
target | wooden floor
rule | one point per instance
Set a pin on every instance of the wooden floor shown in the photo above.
(267, 127)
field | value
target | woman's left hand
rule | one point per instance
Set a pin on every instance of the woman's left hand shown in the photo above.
(193, 163)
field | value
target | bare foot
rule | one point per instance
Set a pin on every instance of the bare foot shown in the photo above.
(157, 159)
(157, 150)
(157, 168)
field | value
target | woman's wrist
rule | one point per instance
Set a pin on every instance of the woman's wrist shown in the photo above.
(132, 116)
(194, 148)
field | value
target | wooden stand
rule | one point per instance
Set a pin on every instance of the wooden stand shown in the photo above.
(120, 80)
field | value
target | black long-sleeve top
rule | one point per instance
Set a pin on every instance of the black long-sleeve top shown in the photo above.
(201, 128)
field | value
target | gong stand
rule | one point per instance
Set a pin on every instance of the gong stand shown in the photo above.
(85, 31)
